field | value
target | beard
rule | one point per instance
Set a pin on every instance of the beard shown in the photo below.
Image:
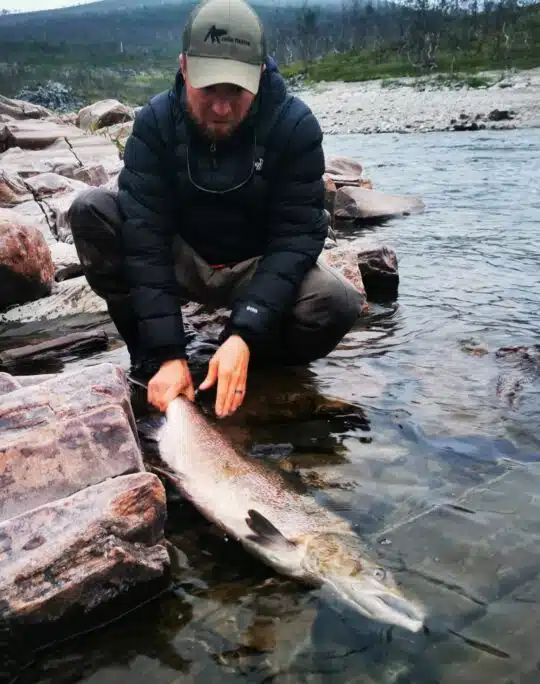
(213, 130)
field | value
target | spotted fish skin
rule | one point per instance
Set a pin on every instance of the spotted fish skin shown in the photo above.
(285, 529)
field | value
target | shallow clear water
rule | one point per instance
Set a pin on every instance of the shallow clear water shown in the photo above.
(438, 468)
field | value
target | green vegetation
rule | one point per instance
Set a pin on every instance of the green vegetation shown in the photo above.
(133, 55)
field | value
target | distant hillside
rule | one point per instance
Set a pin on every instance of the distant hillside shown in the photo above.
(125, 49)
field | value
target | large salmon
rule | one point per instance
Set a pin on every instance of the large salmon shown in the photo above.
(287, 530)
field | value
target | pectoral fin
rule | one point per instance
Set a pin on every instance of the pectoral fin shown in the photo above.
(265, 533)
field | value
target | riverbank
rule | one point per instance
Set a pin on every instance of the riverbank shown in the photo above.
(492, 100)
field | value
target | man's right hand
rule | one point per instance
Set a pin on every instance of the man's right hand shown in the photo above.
(172, 380)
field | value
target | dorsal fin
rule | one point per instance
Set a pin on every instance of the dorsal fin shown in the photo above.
(265, 533)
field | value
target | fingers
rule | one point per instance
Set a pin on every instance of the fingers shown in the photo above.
(212, 374)
(238, 394)
(189, 393)
(224, 382)
(234, 393)
(173, 379)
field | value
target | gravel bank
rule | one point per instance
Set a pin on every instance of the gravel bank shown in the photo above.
(406, 105)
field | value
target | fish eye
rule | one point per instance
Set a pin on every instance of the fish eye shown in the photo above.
(379, 574)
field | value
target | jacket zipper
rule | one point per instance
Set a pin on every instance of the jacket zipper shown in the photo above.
(213, 152)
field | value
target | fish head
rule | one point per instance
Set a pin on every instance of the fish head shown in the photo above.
(339, 565)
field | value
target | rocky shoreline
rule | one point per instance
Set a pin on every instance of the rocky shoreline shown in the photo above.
(81, 514)
(489, 100)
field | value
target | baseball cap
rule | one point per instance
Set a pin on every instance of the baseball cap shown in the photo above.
(224, 43)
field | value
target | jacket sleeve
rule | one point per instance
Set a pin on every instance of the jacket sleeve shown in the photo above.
(145, 198)
(298, 226)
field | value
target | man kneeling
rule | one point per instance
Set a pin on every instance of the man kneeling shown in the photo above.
(221, 201)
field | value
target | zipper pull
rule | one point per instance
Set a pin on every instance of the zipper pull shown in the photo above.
(213, 152)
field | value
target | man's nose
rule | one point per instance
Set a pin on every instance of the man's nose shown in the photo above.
(221, 107)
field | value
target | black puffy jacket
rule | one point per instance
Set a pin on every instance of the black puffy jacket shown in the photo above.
(260, 192)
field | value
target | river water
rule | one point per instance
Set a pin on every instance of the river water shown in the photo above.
(438, 469)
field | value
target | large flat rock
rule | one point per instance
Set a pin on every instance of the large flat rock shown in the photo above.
(31, 162)
(82, 550)
(70, 153)
(67, 433)
(35, 135)
(360, 204)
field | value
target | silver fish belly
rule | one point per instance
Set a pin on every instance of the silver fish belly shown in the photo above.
(288, 531)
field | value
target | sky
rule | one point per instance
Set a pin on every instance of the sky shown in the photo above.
(31, 5)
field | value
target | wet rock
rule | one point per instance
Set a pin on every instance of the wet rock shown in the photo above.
(76, 343)
(345, 261)
(18, 109)
(26, 266)
(330, 191)
(82, 550)
(360, 204)
(378, 265)
(69, 297)
(521, 366)
(104, 113)
(13, 191)
(343, 171)
(473, 347)
(67, 433)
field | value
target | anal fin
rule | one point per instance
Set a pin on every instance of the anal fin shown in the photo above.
(265, 533)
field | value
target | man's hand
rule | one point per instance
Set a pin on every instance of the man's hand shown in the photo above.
(229, 366)
(172, 380)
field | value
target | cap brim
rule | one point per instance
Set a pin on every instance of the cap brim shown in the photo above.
(208, 71)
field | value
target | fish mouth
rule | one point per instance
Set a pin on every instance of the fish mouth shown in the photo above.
(383, 604)
(409, 613)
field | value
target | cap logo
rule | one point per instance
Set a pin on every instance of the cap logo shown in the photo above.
(215, 34)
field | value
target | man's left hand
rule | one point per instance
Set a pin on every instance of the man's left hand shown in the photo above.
(229, 366)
